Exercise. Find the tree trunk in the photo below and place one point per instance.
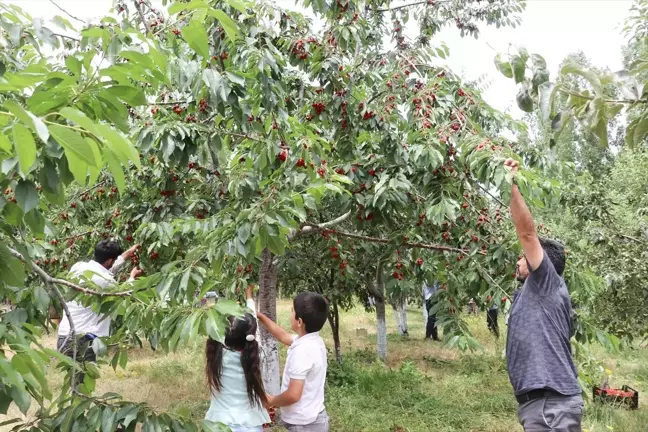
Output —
(403, 316)
(334, 321)
(268, 306)
(400, 316)
(381, 322)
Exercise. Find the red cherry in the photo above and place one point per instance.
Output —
(419, 261)
(283, 155)
(301, 163)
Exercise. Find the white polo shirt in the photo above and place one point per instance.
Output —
(306, 361)
(85, 319)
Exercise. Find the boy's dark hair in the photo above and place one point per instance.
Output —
(235, 340)
(556, 253)
(107, 249)
(312, 308)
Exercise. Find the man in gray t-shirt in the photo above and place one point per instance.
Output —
(538, 351)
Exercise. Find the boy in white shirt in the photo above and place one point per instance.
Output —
(302, 388)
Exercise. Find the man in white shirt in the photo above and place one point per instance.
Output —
(109, 257)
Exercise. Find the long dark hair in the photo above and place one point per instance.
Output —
(235, 340)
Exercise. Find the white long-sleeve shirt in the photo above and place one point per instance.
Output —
(84, 318)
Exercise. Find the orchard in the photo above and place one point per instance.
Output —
(241, 145)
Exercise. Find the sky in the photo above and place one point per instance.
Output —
(551, 28)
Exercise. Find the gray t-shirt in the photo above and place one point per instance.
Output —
(538, 352)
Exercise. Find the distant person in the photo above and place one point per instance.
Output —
(538, 350)
(302, 387)
(491, 320)
(233, 371)
(431, 331)
(108, 259)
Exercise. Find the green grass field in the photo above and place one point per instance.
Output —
(423, 387)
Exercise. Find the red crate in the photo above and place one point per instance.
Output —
(626, 396)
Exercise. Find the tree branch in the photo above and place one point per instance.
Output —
(141, 14)
(55, 281)
(67, 13)
(74, 237)
(71, 334)
(388, 241)
(611, 101)
(66, 37)
(311, 228)
(409, 5)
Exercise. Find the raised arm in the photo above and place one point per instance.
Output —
(123, 258)
(523, 221)
(280, 334)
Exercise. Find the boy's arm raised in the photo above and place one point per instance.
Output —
(280, 334)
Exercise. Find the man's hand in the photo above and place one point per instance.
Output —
(513, 166)
(136, 272)
(130, 252)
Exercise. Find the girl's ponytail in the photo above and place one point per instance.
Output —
(214, 365)
(251, 363)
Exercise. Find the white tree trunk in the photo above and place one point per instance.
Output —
(396, 316)
(403, 316)
(381, 322)
(268, 306)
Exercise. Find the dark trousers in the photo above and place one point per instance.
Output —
(491, 321)
(431, 327)
(84, 352)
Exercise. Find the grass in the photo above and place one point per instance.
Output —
(422, 387)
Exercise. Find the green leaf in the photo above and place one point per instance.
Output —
(519, 67)
(26, 195)
(108, 420)
(546, 97)
(228, 308)
(131, 95)
(35, 220)
(601, 131)
(116, 170)
(79, 118)
(180, 6)
(228, 24)
(48, 177)
(122, 147)
(538, 61)
(540, 76)
(639, 131)
(5, 144)
(25, 147)
(78, 168)
(588, 74)
(21, 399)
(30, 120)
(503, 66)
(523, 98)
(236, 4)
(73, 143)
(196, 36)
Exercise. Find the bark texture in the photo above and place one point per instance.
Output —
(268, 306)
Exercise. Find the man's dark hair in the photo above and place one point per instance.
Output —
(107, 249)
(556, 253)
(312, 308)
